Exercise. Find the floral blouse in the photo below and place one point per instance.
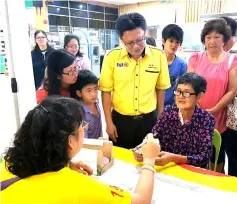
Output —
(192, 139)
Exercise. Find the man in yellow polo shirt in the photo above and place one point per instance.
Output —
(132, 81)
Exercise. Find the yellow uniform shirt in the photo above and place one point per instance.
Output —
(133, 83)
(62, 187)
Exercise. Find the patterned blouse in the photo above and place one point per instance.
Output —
(192, 139)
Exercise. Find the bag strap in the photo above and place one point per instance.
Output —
(8, 182)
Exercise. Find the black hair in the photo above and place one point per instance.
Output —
(85, 77)
(130, 21)
(116, 45)
(56, 62)
(217, 25)
(70, 37)
(37, 48)
(232, 23)
(40, 144)
(151, 41)
(173, 31)
(198, 82)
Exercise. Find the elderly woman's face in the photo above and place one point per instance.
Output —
(214, 41)
(185, 97)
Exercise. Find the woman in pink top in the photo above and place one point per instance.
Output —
(72, 45)
(220, 71)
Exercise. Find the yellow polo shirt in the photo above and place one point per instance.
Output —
(62, 187)
(133, 83)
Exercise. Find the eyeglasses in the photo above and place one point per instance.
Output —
(39, 38)
(73, 46)
(138, 42)
(72, 72)
(84, 125)
(184, 93)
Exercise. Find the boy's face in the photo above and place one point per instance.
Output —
(89, 94)
(171, 45)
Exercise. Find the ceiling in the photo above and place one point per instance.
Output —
(121, 2)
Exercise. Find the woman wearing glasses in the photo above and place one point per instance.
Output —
(185, 131)
(72, 45)
(40, 167)
(61, 73)
(39, 54)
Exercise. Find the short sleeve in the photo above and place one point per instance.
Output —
(117, 196)
(41, 94)
(183, 68)
(163, 81)
(193, 60)
(106, 82)
(234, 61)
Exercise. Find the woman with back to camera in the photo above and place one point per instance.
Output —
(52, 134)
(219, 68)
(61, 73)
(72, 45)
(39, 54)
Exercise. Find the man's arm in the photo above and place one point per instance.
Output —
(107, 106)
(160, 101)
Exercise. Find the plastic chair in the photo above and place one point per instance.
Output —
(216, 141)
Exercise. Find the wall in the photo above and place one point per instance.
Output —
(157, 13)
(41, 18)
(230, 6)
(100, 4)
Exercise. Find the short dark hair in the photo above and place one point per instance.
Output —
(40, 144)
(85, 77)
(68, 38)
(173, 31)
(130, 21)
(218, 25)
(56, 62)
(151, 41)
(232, 23)
(198, 82)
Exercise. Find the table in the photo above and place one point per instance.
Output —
(186, 172)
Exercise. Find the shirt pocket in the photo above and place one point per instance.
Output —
(151, 76)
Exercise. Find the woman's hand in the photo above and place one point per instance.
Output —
(164, 158)
(81, 168)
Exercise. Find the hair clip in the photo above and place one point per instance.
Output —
(44, 109)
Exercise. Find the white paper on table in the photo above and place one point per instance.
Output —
(88, 157)
(167, 189)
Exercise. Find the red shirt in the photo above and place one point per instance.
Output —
(41, 94)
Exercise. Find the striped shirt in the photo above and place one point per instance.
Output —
(94, 129)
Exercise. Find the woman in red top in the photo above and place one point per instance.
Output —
(61, 73)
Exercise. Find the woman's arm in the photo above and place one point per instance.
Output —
(231, 93)
(144, 189)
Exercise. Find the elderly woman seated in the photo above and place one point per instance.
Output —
(38, 161)
(185, 130)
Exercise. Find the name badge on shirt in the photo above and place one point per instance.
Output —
(121, 65)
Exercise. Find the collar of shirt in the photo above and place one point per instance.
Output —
(180, 117)
(87, 110)
(146, 51)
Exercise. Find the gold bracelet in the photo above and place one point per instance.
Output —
(147, 167)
